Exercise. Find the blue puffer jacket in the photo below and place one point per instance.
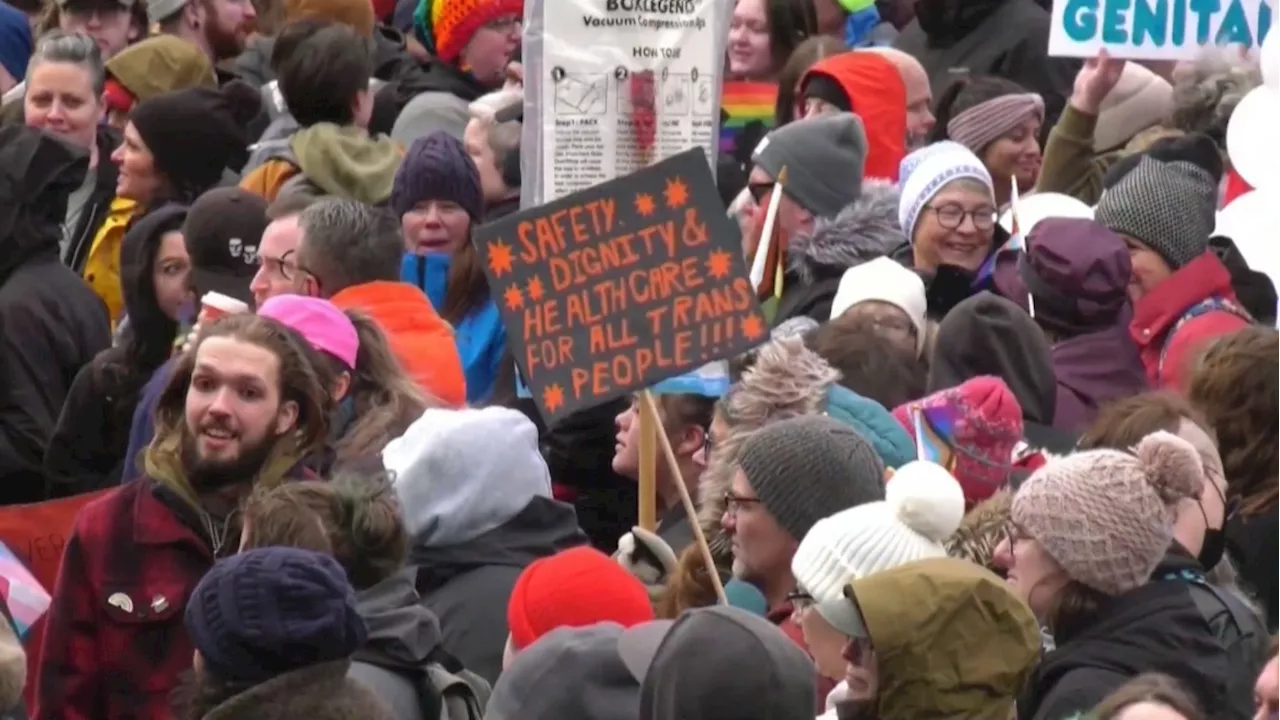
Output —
(481, 337)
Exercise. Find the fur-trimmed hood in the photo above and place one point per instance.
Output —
(981, 531)
(864, 230)
(316, 692)
(787, 380)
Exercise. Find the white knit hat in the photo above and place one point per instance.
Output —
(886, 281)
(925, 172)
(1139, 100)
(923, 506)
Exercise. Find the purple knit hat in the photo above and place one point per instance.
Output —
(437, 167)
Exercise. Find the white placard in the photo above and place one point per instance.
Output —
(1155, 29)
(588, 53)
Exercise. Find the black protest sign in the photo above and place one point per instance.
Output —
(620, 286)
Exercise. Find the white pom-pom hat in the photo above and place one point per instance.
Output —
(923, 506)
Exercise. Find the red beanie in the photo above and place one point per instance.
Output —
(575, 588)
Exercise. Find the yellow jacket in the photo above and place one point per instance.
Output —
(102, 267)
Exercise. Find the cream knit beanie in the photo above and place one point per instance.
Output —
(923, 506)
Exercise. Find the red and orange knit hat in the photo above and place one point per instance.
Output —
(575, 588)
(445, 27)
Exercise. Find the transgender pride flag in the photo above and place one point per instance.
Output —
(26, 598)
(1015, 242)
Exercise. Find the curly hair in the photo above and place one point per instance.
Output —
(1206, 92)
(1235, 384)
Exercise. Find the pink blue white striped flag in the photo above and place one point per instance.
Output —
(25, 597)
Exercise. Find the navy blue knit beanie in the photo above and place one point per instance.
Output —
(437, 167)
(265, 612)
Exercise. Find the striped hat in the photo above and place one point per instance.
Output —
(445, 27)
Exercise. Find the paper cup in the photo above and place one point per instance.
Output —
(215, 305)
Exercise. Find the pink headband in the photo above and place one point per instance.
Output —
(984, 123)
(327, 328)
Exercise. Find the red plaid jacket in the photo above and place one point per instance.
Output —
(115, 644)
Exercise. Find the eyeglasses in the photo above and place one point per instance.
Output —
(760, 190)
(1012, 533)
(951, 216)
(800, 600)
(283, 265)
(734, 503)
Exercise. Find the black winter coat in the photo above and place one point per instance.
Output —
(51, 323)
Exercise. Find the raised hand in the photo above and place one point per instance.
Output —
(1095, 80)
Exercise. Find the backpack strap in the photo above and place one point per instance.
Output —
(464, 695)
(1210, 304)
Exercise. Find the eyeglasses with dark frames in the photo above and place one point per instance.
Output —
(951, 216)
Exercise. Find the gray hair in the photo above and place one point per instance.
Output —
(346, 243)
(75, 49)
(1206, 91)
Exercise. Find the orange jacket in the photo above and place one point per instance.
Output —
(267, 179)
(419, 337)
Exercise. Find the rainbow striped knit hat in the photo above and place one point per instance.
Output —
(444, 27)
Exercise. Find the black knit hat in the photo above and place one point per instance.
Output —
(265, 612)
(806, 468)
(437, 167)
(195, 134)
(1197, 149)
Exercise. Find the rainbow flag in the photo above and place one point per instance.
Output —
(744, 103)
(1015, 242)
(25, 597)
(933, 430)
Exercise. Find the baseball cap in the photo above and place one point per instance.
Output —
(748, 666)
(571, 672)
(159, 10)
(126, 4)
(222, 232)
(327, 328)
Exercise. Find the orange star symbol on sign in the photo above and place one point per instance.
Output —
(535, 290)
(645, 206)
(499, 258)
(513, 298)
(752, 327)
(719, 264)
(677, 193)
(553, 397)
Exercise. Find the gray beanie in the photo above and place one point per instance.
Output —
(806, 468)
(824, 157)
(1171, 207)
(161, 10)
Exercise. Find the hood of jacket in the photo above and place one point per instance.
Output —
(989, 335)
(347, 161)
(1156, 312)
(544, 527)
(402, 631)
(864, 230)
(421, 340)
(962, 648)
(317, 692)
(1092, 370)
(37, 174)
(1156, 627)
(432, 76)
(159, 64)
(107, 139)
(877, 95)
(787, 380)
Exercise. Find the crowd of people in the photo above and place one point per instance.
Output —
(979, 470)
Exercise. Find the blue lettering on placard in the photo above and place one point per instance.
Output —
(1235, 27)
(1150, 23)
(1113, 22)
(1205, 10)
(1081, 19)
(1164, 22)
(1179, 21)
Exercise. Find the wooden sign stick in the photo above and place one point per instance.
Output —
(650, 410)
(648, 511)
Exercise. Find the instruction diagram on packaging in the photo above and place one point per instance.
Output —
(625, 83)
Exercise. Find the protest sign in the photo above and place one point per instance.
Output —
(621, 286)
(1155, 29)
